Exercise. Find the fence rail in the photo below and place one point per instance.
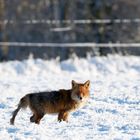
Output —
(82, 21)
(92, 44)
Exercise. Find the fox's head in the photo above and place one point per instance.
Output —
(80, 91)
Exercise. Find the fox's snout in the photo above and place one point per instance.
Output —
(80, 98)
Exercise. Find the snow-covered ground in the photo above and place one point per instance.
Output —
(113, 110)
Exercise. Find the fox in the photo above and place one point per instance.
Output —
(61, 102)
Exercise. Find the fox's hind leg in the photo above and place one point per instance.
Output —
(36, 117)
(38, 114)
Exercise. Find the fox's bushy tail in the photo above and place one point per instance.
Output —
(24, 102)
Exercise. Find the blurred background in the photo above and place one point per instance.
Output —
(51, 28)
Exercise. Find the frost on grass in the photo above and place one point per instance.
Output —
(113, 111)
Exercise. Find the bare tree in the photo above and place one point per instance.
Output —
(3, 37)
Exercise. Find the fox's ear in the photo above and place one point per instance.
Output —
(74, 84)
(87, 84)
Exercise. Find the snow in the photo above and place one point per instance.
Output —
(112, 112)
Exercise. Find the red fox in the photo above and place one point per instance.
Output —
(61, 102)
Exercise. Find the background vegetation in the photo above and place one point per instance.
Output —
(18, 13)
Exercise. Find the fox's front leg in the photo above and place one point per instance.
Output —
(63, 116)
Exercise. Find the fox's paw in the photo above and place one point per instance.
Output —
(62, 119)
(32, 119)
